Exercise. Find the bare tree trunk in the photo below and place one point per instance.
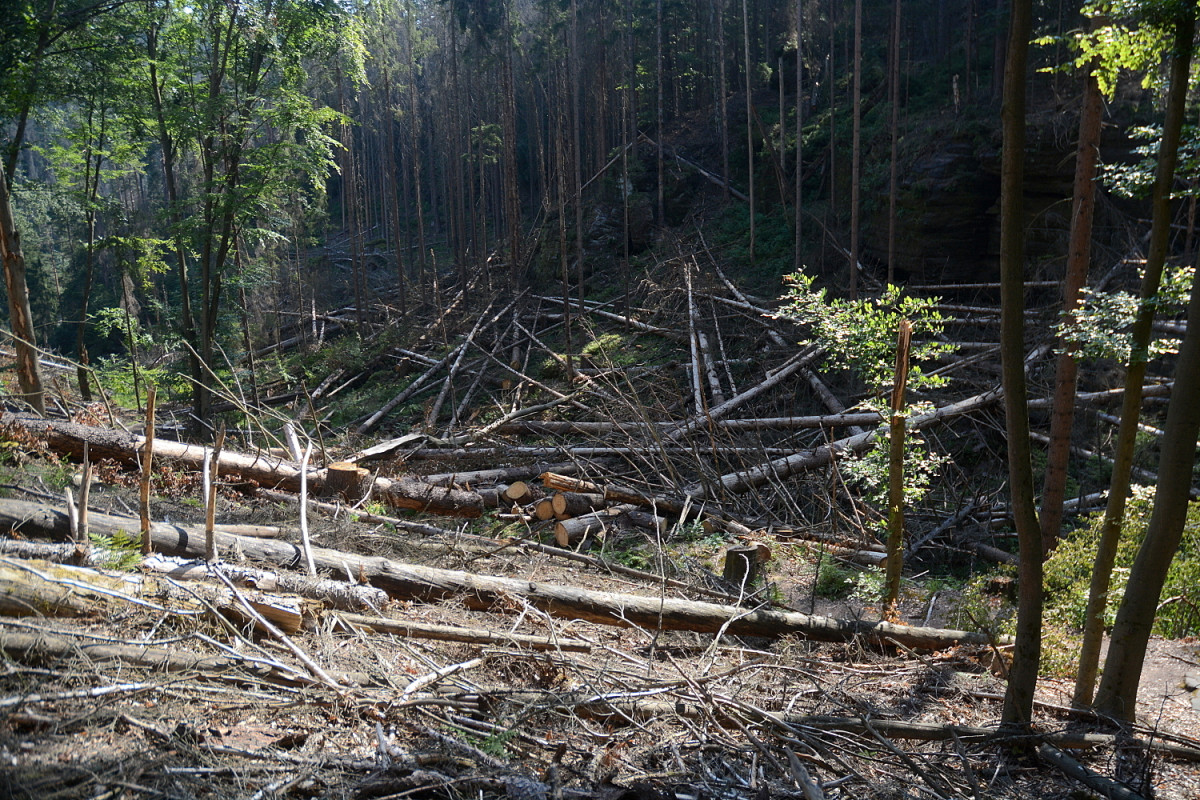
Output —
(895, 520)
(1117, 696)
(1022, 677)
(577, 155)
(722, 94)
(1062, 416)
(393, 199)
(856, 152)
(893, 182)
(29, 376)
(797, 255)
(658, 106)
(749, 121)
(512, 190)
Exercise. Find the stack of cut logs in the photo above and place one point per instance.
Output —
(584, 512)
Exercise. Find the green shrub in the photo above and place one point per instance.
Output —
(1068, 572)
(834, 581)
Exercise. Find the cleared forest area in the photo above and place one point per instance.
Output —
(672, 399)
(532, 575)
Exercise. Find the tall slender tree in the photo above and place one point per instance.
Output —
(749, 119)
(856, 153)
(798, 200)
(1180, 56)
(1022, 676)
(894, 168)
(1117, 696)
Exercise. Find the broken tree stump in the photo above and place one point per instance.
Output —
(741, 565)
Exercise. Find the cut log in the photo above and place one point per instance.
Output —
(522, 493)
(43, 588)
(413, 582)
(543, 510)
(499, 475)
(493, 497)
(622, 495)
(575, 504)
(417, 495)
(647, 521)
(257, 531)
(348, 480)
(268, 471)
(576, 532)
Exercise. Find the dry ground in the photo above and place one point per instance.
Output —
(419, 718)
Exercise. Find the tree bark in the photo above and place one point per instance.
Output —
(29, 376)
(1022, 677)
(269, 471)
(1062, 414)
(856, 152)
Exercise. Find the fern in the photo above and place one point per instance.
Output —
(122, 550)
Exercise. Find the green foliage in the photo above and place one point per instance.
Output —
(1135, 38)
(693, 533)
(1136, 179)
(833, 581)
(612, 349)
(1060, 651)
(773, 245)
(122, 550)
(1104, 321)
(976, 608)
(869, 585)
(59, 476)
(1068, 572)
(870, 469)
(860, 335)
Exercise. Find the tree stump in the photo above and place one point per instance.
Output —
(347, 479)
(741, 565)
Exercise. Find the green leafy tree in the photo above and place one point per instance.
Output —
(228, 83)
(861, 335)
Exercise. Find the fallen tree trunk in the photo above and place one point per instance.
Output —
(333, 594)
(567, 427)
(453, 633)
(264, 470)
(47, 589)
(408, 581)
(622, 495)
(42, 648)
(781, 468)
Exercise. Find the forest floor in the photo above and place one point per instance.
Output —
(415, 718)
